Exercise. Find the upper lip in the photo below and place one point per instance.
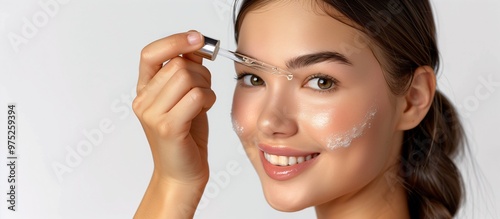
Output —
(281, 150)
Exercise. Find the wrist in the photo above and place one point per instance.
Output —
(167, 198)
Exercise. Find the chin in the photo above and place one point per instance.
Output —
(286, 196)
(286, 204)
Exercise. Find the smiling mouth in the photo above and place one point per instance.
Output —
(278, 160)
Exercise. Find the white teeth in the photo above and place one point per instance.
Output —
(273, 159)
(283, 161)
(287, 161)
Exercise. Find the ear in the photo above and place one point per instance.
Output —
(415, 104)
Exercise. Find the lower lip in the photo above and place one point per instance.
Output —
(283, 173)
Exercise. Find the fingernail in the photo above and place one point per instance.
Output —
(194, 38)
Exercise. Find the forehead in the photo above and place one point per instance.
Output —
(296, 27)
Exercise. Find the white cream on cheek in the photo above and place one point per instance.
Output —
(237, 127)
(344, 139)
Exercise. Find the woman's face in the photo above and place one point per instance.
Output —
(327, 135)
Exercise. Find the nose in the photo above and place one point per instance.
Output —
(277, 118)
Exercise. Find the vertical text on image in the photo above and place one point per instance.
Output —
(12, 161)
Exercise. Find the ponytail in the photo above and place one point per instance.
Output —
(431, 178)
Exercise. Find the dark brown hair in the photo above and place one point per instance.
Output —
(403, 33)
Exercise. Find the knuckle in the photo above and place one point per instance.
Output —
(210, 99)
(183, 76)
(196, 94)
(177, 63)
(213, 96)
(137, 106)
(164, 128)
(148, 118)
(208, 75)
(138, 90)
(147, 53)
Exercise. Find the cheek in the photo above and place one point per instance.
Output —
(238, 129)
(369, 153)
(345, 137)
(321, 120)
(336, 127)
(363, 143)
(237, 115)
(243, 115)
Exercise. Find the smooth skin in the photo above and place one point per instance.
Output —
(358, 181)
(173, 99)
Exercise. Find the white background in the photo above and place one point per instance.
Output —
(77, 68)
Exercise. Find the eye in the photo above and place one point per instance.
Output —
(250, 79)
(322, 82)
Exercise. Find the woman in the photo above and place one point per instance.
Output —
(359, 132)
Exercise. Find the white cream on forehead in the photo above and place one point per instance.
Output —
(344, 139)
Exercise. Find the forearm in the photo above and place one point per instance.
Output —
(169, 200)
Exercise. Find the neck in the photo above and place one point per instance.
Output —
(384, 197)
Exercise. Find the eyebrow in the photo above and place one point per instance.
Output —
(314, 58)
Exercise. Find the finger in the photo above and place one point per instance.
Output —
(196, 101)
(176, 88)
(167, 72)
(193, 57)
(150, 92)
(199, 134)
(155, 54)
